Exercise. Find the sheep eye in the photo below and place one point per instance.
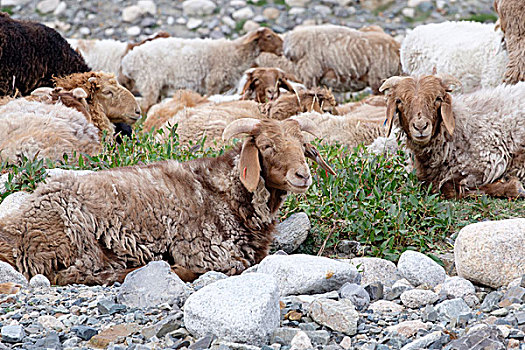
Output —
(398, 101)
(108, 93)
(266, 147)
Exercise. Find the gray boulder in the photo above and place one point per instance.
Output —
(356, 294)
(307, 274)
(12, 203)
(291, 233)
(340, 316)
(242, 309)
(198, 7)
(377, 270)
(489, 337)
(419, 269)
(450, 309)
(415, 298)
(491, 252)
(39, 281)
(152, 285)
(9, 274)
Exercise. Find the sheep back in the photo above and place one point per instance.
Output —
(469, 51)
(31, 54)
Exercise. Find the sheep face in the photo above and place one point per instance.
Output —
(276, 151)
(118, 103)
(266, 40)
(422, 104)
(265, 83)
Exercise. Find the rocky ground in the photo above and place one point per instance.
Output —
(288, 301)
(130, 20)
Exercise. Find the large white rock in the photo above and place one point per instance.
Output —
(152, 285)
(198, 7)
(491, 252)
(9, 274)
(241, 309)
(376, 270)
(419, 269)
(340, 316)
(47, 6)
(385, 306)
(457, 287)
(131, 13)
(307, 274)
(244, 13)
(12, 203)
(297, 3)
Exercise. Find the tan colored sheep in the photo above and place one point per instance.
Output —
(511, 17)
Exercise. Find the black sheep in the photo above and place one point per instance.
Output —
(31, 54)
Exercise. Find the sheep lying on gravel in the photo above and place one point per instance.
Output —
(203, 65)
(207, 214)
(472, 143)
(106, 55)
(31, 54)
(511, 15)
(31, 129)
(108, 101)
(341, 58)
(289, 104)
(471, 52)
(265, 84)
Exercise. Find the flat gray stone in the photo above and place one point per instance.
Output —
(376, 270)
(485, 338)
(450, 309)
(12, 334)
(208, 278)
(9, 274)
(152, 285)
(291, 233)
(340, 316)
(307, 274)
(415, 298)
(241, 309)
(491, 252)
(457, 287)
(423, 342)
(419, 269)
(198, 7)
(356, 294)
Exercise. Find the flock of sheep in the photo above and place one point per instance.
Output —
(274, 91)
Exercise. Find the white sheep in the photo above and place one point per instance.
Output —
(203, 65)
(338, 57)
(469, 51)
(33, 129)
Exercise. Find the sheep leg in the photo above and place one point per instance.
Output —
(511, 188)
(184, 274)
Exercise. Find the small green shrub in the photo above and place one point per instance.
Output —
(482, 18)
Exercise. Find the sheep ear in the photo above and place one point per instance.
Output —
(286, 84)
(79, 93)
(249, 166)
(253, 36)
(449, 82)
(311, 152)
(390, 83)
(390, 113)
(447, 114)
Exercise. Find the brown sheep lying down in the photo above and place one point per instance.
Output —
(206, 214)
(469, 144)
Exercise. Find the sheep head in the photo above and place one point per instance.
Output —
(265, 83)
(266, 40)
(422, 104)
(116, 102)
(275, 150)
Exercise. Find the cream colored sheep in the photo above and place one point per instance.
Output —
(204, 65)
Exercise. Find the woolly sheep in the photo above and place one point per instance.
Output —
(265, 84)
(106, 55)
(108, 101)
(208, 120)
(207, 214)
(31, 54)
(290, 104)
(469, 51)
(511, 14)
(472, 143)
(204, 65)
(31, 129)
(341, 58)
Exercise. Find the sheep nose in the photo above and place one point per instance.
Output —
(302, 174)
(420, 125)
